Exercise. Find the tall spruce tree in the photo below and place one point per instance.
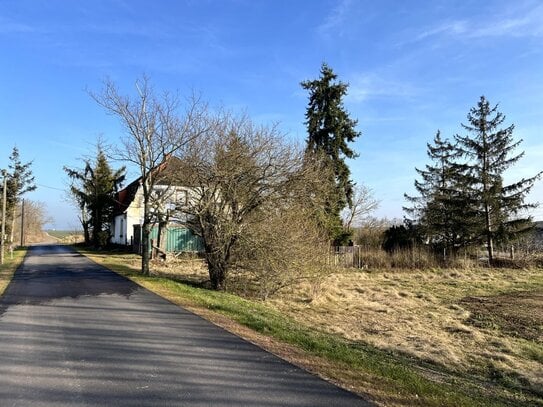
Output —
(330, 129)
(94, 189)
(20, 181)
(442, 210)
(490, 151)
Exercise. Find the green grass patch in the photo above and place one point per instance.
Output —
(534, 351)
(10, 265)
(397, 378)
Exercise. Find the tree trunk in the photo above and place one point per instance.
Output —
(217, 271)
(489, 242)
(161, 236)
(217, 276)
(96, 229)
(490, 248)
(145, 253)
(85, 225)
(86, 234)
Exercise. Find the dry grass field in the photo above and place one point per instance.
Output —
(63, 236)
(483, 321)
(478, 330)
(486, 322)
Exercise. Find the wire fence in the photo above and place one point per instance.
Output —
(421, 256)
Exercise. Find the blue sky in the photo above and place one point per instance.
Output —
(413, 67)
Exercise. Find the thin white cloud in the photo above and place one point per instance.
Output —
(370, 86)
(527, 22)
(14, 27)
(335, 20)
(446, 28)
(123, 29)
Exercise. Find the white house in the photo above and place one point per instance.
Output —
(128, 213)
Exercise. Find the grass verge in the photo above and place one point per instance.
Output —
(10, 265)
(388, 378)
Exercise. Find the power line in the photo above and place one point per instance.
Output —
(45, 186)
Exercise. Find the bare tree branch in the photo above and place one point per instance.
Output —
(363, 204)
(155, 129)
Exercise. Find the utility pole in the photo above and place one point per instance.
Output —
(23, 222)
(3, 218)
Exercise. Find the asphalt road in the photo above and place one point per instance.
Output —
(73, 333)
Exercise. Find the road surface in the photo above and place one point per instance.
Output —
(73, 333)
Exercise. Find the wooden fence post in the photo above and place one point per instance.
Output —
(359, 253)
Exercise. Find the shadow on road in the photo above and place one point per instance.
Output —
(76, 334)
(52, 272)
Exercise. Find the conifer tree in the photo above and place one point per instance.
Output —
(490, 151)
(94, 189)
(442, 210)
(330, 129)
(20, 181)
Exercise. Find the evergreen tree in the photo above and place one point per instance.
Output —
(401, 237)
(443, 209)
(94, 190)
(489, 149)
(330, 129)
(20, 181)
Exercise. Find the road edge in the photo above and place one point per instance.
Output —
(285, 351)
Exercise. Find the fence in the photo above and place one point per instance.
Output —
(346, 256)
(421, 257)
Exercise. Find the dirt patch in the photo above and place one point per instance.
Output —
(518, 314)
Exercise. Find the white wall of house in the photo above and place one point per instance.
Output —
(134, 215)
(123, 225)
(119, 229)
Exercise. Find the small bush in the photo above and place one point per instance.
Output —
(284, 248)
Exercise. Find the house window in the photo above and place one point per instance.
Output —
(122, 228)
(181, 198)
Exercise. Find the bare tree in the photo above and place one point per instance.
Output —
(283, 246)
(35, 218)
(371, 232)
(238, 174)
(162, 202)
(77, 202)
(154, 131)
(362, 205)
(20, 181)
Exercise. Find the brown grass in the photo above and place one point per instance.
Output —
(474, 320)
(428, 314)
(189, 269)
(10, 265)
